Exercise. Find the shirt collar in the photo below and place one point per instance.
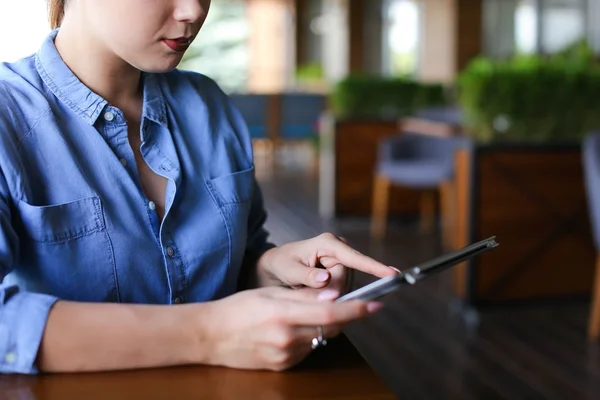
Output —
(154, 101)
(79, 98)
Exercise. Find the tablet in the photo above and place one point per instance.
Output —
(410, 276)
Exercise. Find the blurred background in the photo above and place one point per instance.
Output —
(415, 127)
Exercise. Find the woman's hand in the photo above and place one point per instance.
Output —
(272, 328)
(295, 264)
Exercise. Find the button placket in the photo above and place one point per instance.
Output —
(109, 116)
(173, 265)
(170, 251)
(10, 358)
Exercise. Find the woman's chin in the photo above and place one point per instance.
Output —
(160, 66)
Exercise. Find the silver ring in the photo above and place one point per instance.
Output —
(319, 341)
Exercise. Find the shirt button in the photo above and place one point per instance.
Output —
(10, 358)
(170, 251)
(109, 116)
(152, 206)
(177, 301)
(123, 162)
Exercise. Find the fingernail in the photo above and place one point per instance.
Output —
(396, 269)
(375, 306)
(322, 277)
(328, 294)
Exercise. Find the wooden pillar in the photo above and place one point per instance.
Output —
(469, 31)
(437, 41)
(356, 19)
(301, 31)
(452, 35)
(271, 45)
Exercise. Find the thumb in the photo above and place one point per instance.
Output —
(299, 274)
(305, 294)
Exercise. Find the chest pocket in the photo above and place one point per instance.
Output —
(233, 194)
(236, 188)
(65, 250)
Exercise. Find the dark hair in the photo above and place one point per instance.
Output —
(56, 12)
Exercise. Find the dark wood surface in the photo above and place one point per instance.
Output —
(534, 201)
(426, 346)
(336, 371)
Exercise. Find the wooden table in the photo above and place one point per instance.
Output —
(336, 371)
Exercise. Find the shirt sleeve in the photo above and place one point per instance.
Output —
(23, 315)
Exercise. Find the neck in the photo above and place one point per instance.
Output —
(95, 66)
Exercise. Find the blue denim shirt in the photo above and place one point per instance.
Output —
(74, 222)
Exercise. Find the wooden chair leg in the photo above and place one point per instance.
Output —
(447, 214)
(427, 210)
(381, 191)
(594, 320)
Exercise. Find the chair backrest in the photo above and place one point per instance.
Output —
(417, 145)
(448, 115)
(434, 150)
(300, 115)
(591, 168)
(254, 109)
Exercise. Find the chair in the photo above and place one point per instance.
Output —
(418, 161)
(447, 115)
(253, 108)
(300, 113)
(591, 168)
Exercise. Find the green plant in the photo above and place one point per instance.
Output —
(366, 96)
(310, 72)
(531, 98)
(578, 52)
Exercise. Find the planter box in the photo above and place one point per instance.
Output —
(348, 155)
(532, 197)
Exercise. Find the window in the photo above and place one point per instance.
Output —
(401, 37)
(23, 27)
(221, 49)
(562, 22)
(533, 26)
(526, 27)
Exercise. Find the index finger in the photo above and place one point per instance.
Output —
(338, 252)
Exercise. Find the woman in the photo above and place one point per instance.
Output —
(130, 218)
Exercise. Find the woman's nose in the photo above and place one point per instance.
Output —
(191, 11)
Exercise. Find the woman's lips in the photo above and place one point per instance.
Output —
(179, 44)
